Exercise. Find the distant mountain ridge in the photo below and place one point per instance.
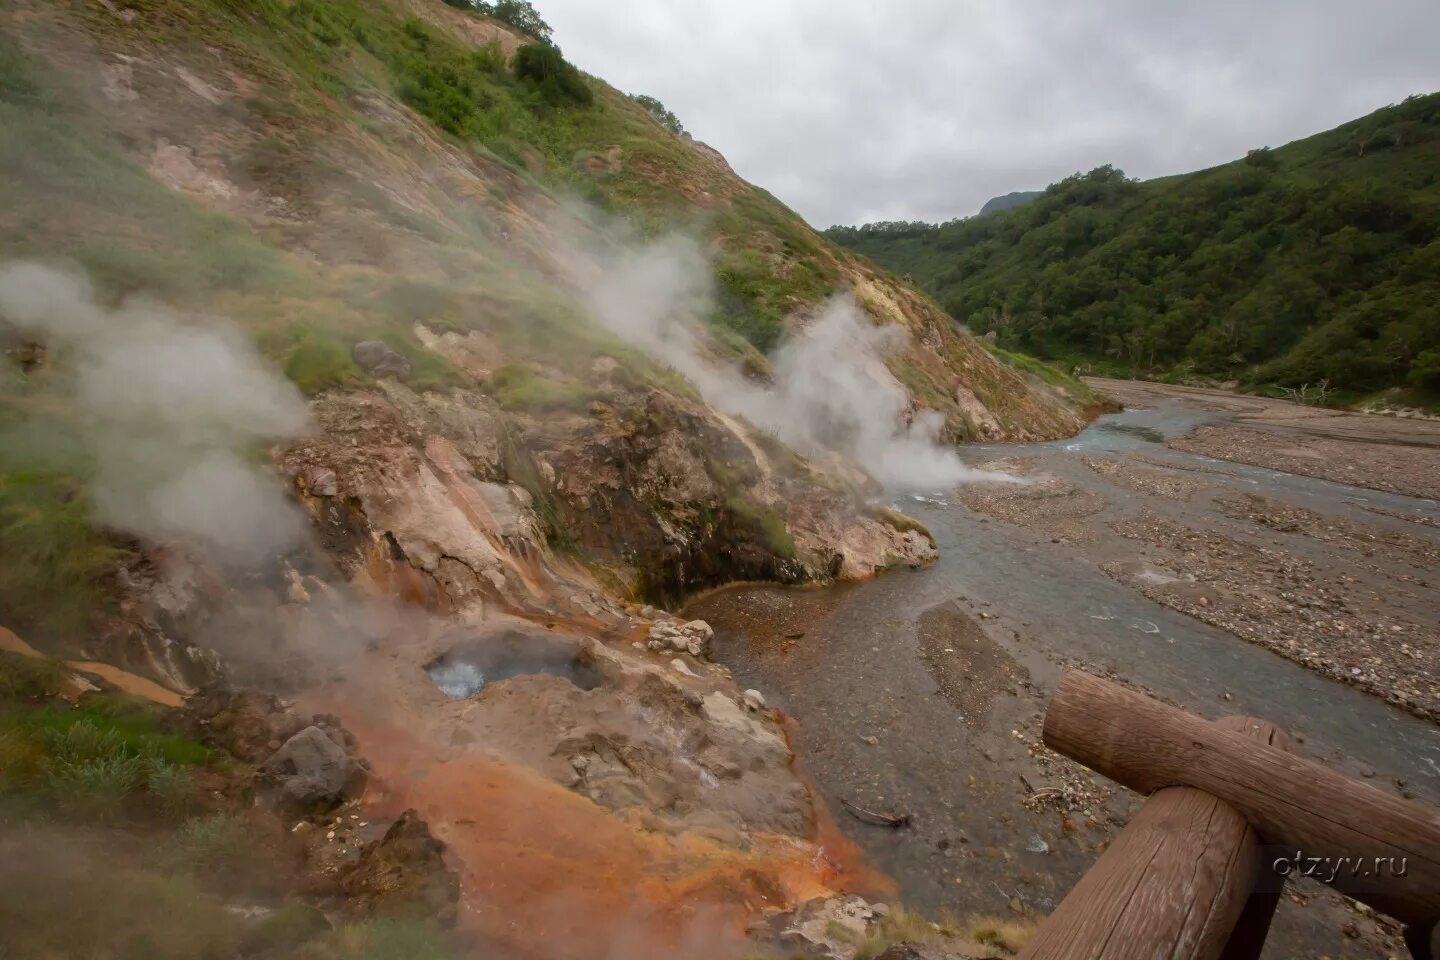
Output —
(1015, 198)
(1317, 262)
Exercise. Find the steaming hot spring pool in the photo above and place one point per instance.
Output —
(463, 671)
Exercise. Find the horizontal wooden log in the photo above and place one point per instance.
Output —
(1296, 804)
(1173, 884)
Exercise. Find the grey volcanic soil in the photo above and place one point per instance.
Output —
(1222, 587)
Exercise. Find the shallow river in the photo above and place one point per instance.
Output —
(919, 693)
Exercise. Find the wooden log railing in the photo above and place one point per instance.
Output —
(1182, 880)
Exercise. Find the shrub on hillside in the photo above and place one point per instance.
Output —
(544, 68)
(519, 14)
(658, 110)
(53, 564)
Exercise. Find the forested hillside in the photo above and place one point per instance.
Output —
(1314, 263)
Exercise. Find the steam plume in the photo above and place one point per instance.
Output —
(168, 407)
(831, 392)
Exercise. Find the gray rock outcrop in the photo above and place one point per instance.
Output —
(311, 772)
(379, 359)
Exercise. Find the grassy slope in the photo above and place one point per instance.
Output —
(1319, 259)
(329, 172)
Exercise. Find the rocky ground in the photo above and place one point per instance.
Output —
(1395, 454)
(1330, 622)
(1046, 503)
(1161, 483)
(1412, 471)
(1366, 539)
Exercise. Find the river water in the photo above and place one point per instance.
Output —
(920, 693)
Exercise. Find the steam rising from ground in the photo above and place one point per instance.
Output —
(168, 407)
(831, 392)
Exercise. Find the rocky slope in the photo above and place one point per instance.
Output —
(420, 239)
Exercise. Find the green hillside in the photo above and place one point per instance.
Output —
(436, 176)
(1316, 262)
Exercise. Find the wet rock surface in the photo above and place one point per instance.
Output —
(970, 669)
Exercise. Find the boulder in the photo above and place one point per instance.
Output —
(828, 928)
(403, 875)
(379, 359)
(311, 772)
(698, 628)
(754, 700)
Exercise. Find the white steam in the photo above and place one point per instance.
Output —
(831, 392)
(170, 409)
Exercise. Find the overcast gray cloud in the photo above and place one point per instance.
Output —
(854, 111)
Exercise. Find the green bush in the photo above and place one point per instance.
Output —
(319, 361)
(216, 844)
(55, 567)
(520, 14)
(24, 677)
(1425, 373)
(125, 723)
(658, 110)
(58, 899)
(96, 788)
(103, 761)
(544, 68)
(171, 788)
(286, 927)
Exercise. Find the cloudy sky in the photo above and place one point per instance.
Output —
(860, 110)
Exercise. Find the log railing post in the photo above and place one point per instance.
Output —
(1247, 939)
(1174, 883)
(1179, 878)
